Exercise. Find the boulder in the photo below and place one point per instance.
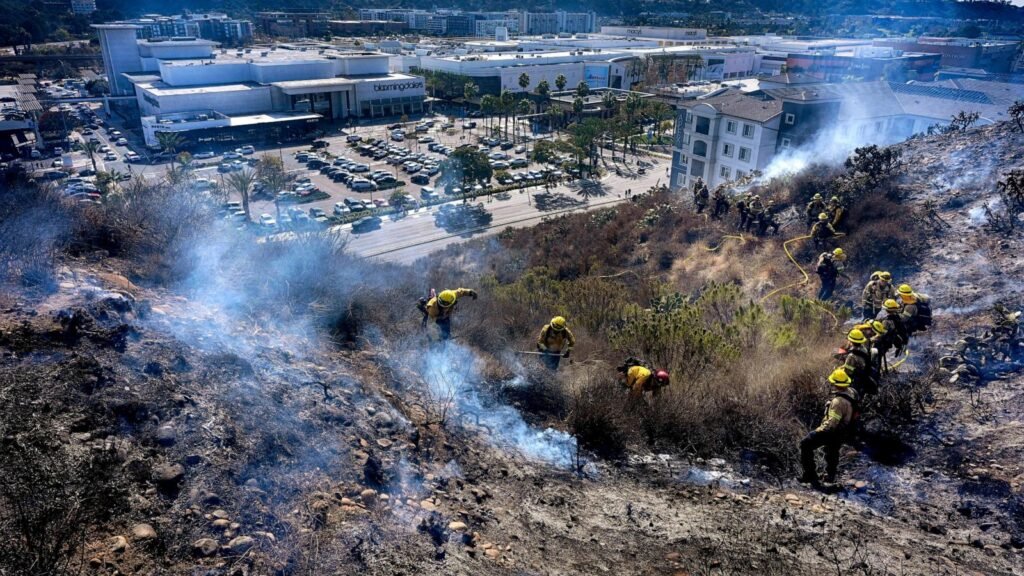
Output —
(166, 435)
(205, 547)
(143, 532)
(240, 544)
(168, 474)
(118, 544)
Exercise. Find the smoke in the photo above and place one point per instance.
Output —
(452, 371)
(852, 127)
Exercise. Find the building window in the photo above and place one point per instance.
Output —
(785, 142)
(730, 126)
(683, 159)
(748, 131)
(790, 119)
(697, 168)
(878, 127)
(740, 174)
(700, 148)
(727, 149)
(703, 125)
(686, 140)
(724, 172)
(745, 154)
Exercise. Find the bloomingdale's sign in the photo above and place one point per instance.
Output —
(402, 86)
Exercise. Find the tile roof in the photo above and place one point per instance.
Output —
(750, 106)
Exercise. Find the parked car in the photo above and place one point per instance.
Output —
(318, 144)
(353, 138)
(468, 125)
(420, 178)
(122, 142)
(362, 185)
(519, 163)
(267, 221)
(340, 209)
(246, 150)
(204, 155)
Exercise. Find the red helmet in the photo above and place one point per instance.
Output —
(661, 376)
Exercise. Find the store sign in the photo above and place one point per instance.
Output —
(400, 87)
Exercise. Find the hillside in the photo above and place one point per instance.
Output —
(177, 406)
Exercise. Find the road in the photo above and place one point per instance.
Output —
(406, 239)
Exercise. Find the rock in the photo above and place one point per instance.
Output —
(168, 474)
(860, 484)
(221, 524)
(266, 536)
(384, 443)
(205, 547)
(368, 496)
(219, 513)
(118, 544)
(492, 553)
(143, 532)
(673, 556)
(166, 435)
(428, 505)
(457, 526)
(241, 544)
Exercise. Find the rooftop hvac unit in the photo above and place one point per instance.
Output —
(248, 50)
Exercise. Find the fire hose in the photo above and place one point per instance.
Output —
(805, 280)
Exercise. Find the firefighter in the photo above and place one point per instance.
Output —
(814, 207)
(440, 309)
(639, 379)
(822, 231)
(881, 341)
(755, 211)
(556, 342)
(835, 210)
(893, 322)
(917, 311)
(700, 198)
(768, 219)
(840, 413)
(859, 364)
(742, 207)
(830, 267)
(878, 289)
(721, 203)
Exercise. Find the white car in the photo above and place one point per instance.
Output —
(131, 157)
(267, 221)
(204, 155)
(398, 135)
(110, 157)
(232, 155)
(104, 148)
(122, 142)
(246, 150)
(354, 138)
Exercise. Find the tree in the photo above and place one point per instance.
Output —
(271, 174)
(543, 91)
(185, 159)
(472, 164)
(241, 182)
(1016, 112)
(963, 121)
(169, 141)
(488, 105)
(523, 108)
(507, 101)
(91, 149)
(577, 108)
(608, 103)
(560, 82)
(582, 89)
(524, 81)
(98, 87)
(469, 91)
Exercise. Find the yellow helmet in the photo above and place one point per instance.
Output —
(822, 217)
(839, 378)
(834, 199)
(838, 253)
(905, 289)
(891, 305)
(817, 197)
(878, 327)
(558, 323)
(885, 276)
(856, 336)
(446, 298)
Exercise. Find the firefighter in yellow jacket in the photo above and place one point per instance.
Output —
(555, 342)
(639, 379)
(440, 309)
(833, 430)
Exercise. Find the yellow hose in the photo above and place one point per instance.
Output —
(906, 354)
(805, 280)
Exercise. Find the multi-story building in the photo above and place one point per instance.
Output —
(366, 27)
(293, 24)
(994, 56)
(187, 86)
(488, 28)
(537, 23)
(576, 22)
(724, 137)
(209, 26)
(83, 6)
(727, 134)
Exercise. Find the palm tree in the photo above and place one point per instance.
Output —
(91, 148)
(582, 89)
(608, 102)
(469, 91)
(507, 102)
(488, 105)
(523, 107)
(560, 82)
(553, 115)
(577, 108)
(169, 141)
(242, 182)
(524, 81)
(543, 90)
